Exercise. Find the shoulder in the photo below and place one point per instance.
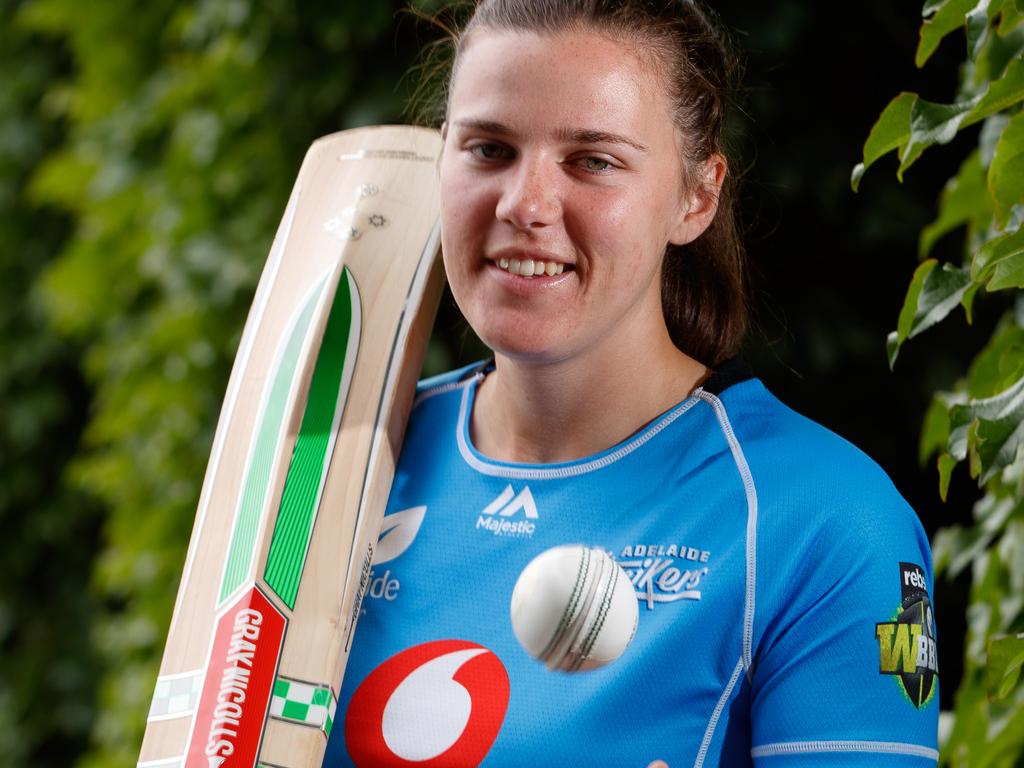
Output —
(839, 579)
(803, 469)
(821, 509)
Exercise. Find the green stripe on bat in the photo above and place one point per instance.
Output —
(304, 483)
(261, 462)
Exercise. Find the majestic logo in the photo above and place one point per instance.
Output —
(497, 517)
(397, 533)
(437, 704)
(664, 573)
(906, 646)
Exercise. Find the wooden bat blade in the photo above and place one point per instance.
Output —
(303, 460)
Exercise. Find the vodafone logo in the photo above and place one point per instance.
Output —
(432, 705)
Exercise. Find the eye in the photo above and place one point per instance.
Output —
(490, 151)
(595, 164)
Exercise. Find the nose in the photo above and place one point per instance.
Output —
(531, 198)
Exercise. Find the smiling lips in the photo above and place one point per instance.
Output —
(530, 267)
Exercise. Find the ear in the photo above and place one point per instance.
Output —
(700, 205)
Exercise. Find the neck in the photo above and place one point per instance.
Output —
(541, 413)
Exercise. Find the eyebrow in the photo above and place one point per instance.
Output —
(568, 135)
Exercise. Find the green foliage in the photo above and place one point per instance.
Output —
(963, 202)
(911, 125)
(940, 18)
(933, 294)
(981, 422)
(1005, 655)
(1006, 171)
(182, 127)
(47, 677)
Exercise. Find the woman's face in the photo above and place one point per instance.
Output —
(560, 153)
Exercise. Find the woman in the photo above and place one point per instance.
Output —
(589, 240)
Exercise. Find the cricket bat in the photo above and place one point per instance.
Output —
(303, 460)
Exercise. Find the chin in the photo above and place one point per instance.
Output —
(525, 334)
(519, 344)
(532, 351)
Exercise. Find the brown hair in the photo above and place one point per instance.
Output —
(704, 283)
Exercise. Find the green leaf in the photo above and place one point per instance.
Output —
(963, 200)
(974, 465)
(998, 262)
(988, 430)
(1000, 363)
(1011, 549)
(967, 302)
(1002, 93)
(62, 179)
(1006, 173)
(1012, 14)
(933, 294)
(977, 27)
(935, 431)
(932, 123)
(889, 132)
(912, 124)
(941, 19)
(1009, 272)
(991, 130)
(946, 464)
(999, 52)
(1005, 658)
(912, 301)
(996, 444)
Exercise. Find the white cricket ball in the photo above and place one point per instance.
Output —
(574, 608)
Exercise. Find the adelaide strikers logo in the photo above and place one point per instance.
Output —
(906, 645)
(437, 704)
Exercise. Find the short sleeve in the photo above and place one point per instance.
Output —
(844, 665)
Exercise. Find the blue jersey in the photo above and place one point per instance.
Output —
(782, 581)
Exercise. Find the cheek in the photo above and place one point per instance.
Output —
(464, 214)
(461, 238)
(619, 229)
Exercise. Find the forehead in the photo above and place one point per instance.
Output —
(571, 79)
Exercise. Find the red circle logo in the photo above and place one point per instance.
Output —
(435, 705)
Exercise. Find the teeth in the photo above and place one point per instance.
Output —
(531, 267)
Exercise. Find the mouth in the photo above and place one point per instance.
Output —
(530, 267)
(525, 265)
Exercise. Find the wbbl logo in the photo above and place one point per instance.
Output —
(906, 646)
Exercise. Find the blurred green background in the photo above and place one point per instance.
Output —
(146, 153)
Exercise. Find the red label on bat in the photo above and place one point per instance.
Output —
(238, 685)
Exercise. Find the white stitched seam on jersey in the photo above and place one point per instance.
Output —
(709, 732)
(751, 491)
(805, 747)
(439, 389)
(539, 473)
